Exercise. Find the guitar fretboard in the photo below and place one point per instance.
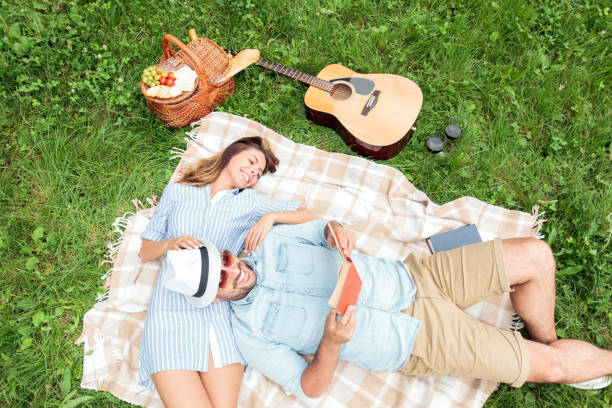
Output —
(295, 74)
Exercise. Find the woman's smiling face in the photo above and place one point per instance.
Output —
(246, 167)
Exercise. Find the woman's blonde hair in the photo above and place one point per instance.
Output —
(207, 170)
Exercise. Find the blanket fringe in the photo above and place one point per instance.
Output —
(192, 136)
(139, 205)
(120, 225)
(112, 248)
(96, 342)
(108, 272)
(517, 323)
(538, 221)
(198, 122)
(101, 297)
(176, 153)
(152, 201)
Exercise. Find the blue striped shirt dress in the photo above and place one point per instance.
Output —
(177, 335)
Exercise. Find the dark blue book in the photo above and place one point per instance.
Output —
(448, 240)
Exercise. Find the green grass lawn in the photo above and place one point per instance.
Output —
(531, 79)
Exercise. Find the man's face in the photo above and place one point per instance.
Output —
(237, 278)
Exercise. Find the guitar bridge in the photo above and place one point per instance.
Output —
(372, 100)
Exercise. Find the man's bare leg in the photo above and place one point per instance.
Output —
(530, 267)
(567, 361)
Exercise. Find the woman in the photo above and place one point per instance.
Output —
(189, 353)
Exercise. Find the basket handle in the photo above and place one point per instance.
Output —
(167, 42)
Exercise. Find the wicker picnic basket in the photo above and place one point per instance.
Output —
(210, 62)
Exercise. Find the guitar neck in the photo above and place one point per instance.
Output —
(297, 75)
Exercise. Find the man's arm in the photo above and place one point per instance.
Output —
(320, 370)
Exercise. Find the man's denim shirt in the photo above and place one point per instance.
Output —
(285, 312)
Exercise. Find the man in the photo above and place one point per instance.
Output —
(408, 316)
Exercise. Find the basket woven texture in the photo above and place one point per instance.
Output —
(210, 62)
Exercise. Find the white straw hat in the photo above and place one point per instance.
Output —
(194, 273)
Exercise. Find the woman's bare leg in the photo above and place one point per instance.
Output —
(181, 388)
(223, 384)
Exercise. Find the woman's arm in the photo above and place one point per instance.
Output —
(258, 231)
(299, 216)
(151, 250)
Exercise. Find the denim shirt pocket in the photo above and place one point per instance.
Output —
(386, 291)
(284, 323)
(296, 258)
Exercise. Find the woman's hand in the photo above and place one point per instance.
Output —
(151, 250)
(184, 242)
(258, 232)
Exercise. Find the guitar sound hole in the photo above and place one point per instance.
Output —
(341, 92)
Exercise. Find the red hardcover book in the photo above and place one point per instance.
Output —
(348, 285)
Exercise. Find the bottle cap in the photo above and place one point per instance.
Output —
(435, 142)
(452, 131)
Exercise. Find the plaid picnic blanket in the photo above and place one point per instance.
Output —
(391, 218)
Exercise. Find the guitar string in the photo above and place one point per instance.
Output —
(293, 73)
(297, 75)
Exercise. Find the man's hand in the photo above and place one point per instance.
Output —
(318, 374)
(339, 332)
(346, 237)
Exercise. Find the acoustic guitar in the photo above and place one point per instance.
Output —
(374, 114)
